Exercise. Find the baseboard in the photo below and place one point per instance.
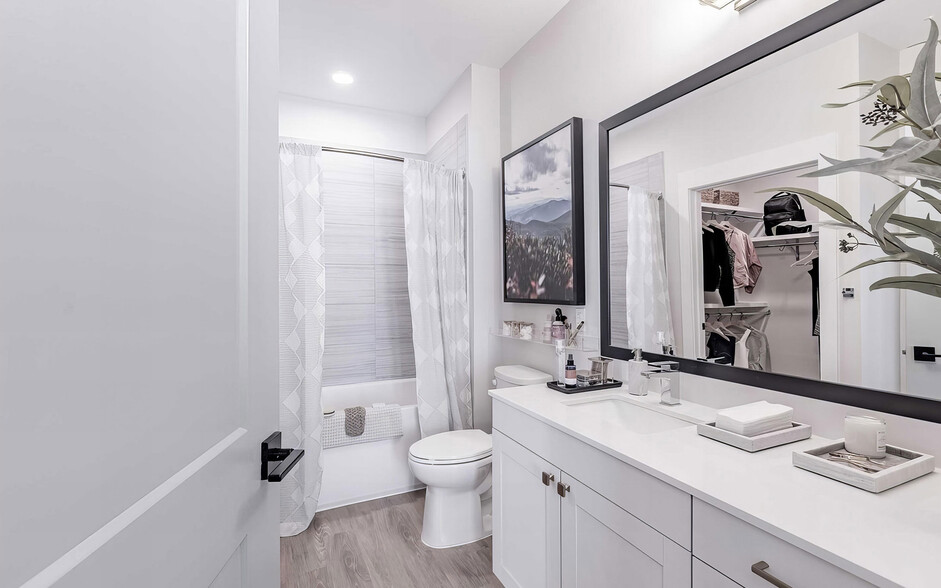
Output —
(368, 497)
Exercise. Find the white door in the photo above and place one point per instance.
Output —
(921, 323)
(138, 292)
(605, 546)
(526, 517)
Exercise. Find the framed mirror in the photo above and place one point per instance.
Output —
(773, 219)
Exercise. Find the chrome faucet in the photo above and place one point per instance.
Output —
(668, 372)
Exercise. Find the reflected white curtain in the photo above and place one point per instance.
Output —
(302, 311)
(435, 236)
(648, 296)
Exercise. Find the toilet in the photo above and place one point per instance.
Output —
(455, 468)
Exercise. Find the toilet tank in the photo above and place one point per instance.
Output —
(507, 376)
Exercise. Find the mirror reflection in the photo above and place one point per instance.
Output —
(784, 218)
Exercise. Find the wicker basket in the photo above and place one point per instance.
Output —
(728, 198)
(709, 196)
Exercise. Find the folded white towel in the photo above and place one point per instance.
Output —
(756, 418)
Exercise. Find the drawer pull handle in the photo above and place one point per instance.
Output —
(547, 478)
(561, 489)
(760, 569)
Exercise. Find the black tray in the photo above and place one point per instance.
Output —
(564, 390)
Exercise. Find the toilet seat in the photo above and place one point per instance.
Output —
(452, 447)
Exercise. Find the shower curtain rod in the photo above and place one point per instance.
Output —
(373, 154)
(366, 153)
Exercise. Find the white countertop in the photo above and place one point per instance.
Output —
(889, 539)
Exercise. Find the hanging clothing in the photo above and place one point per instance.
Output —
(648, 294)
(436, 256)
(746, 266)
(721, 349)
(815, 293)
(302, 308)
(717, 266)
(759, 350)
(741, 350)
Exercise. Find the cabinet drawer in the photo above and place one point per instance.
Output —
(732, 546)
(706, 577)
(656, 503)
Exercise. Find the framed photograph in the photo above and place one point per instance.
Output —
(543, 234)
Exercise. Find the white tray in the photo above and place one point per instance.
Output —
(797, 432)
(904, 466)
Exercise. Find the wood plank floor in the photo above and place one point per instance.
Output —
(378, 544)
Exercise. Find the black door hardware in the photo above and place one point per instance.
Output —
(271, 451)
(925, 354)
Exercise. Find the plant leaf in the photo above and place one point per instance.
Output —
(929, 284)
(925, 227)
(881, 216)
(898, 85)
(895, 258)
(902, 152)
(892, 127)
(922, 171)
(831, 207)
(925, 106)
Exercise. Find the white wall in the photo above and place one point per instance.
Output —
(329, 123)
(594, 59)
(455, 105)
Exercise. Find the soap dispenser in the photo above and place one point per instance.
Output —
(636, 383)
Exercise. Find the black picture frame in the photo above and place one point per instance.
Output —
(578, 216)
(887, 402)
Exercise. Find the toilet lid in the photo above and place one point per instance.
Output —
(452, 447)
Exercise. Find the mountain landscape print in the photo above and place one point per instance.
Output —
(539, 234)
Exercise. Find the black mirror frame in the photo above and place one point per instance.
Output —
(878, 400)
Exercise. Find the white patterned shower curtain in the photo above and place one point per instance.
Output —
(435, 235)
(301, 330)
(648, 297)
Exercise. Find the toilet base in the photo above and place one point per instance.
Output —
(454, 517)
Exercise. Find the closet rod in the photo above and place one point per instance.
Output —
(365, 153)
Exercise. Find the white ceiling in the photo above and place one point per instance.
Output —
(404, 54)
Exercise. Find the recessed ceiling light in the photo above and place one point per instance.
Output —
(342, 77)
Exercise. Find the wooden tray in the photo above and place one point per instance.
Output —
(611, 383)
(904, 466)
(797, 432)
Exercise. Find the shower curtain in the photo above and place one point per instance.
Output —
(301, 330)
(437, 288)
(648, 297)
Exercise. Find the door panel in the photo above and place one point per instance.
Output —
(138, 306)
(603, 545)
(526, 517)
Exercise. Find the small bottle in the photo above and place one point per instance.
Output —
(571, 378)
(636, 384)
(547, 329)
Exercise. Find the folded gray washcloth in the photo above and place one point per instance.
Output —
(355, 420)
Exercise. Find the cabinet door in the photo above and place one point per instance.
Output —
(526, 517)
(706, 577)
(603, 545)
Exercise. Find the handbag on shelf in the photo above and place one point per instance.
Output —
(781, 208)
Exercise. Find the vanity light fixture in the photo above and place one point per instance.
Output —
(343, 78)
(741, 5)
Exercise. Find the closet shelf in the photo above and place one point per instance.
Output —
(725, 210)
(743, 308)
(583, 342)
(786, 240)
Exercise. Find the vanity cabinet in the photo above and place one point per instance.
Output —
(733, 547)
(527, 536)
(552, 530)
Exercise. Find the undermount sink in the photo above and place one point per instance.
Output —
(620, 411)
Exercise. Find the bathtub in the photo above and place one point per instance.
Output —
(356, 473)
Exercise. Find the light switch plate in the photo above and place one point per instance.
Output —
(579, 316)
